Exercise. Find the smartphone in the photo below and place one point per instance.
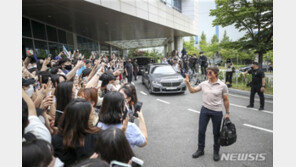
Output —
(138, 108)
(118, 164)
(124, 114)
(136, 162)
(57, 117)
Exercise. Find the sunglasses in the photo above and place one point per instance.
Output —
(209, 73)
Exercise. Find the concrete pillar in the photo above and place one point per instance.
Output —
(165, 48)
(124, 53)
(75, 41)
(178, 42)
(99, 49)
(170, 48)
(110, 50)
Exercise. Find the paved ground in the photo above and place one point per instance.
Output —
(172, 124)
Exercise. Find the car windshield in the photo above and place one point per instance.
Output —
(163, 70)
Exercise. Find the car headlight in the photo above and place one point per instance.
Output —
(182, 81)
(155, 82)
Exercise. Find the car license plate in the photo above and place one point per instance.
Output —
(171, 88)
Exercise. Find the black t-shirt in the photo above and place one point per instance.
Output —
(203, 59)
(128, 67)
(257, 76)
(135, 66)
(70, 156)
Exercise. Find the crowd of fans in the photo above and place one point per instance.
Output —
(78, 111)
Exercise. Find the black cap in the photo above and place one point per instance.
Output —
(27, 82)
(255, 63)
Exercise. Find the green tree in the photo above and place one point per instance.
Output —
(255, 17)
(189, 46)
(203, 44)
(225, 38)
(215, 39)
(269, 56)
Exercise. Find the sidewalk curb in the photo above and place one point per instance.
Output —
(247, 93)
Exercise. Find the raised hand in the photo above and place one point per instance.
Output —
(186, 79)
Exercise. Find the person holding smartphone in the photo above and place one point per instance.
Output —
(214, 93)
(114, 109)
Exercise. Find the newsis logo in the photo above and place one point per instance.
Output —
(243, 156)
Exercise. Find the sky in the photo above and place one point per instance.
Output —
(205, 22)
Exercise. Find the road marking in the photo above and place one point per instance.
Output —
(256, 127)
(267, 101)
(133, 83)
(269, 112)
(163, 101)
(193, 110)
(143, 93)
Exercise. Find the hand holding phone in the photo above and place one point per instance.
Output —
(138, 108)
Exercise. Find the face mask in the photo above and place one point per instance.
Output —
(30, 91)
(68, 67)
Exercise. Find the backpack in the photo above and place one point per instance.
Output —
(228, 133)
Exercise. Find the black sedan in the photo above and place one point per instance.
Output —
(143, 61)
(162, 78)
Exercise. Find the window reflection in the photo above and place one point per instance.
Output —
(26, 27)
(41, 49)
(52, 34)
(62, 36)
(38, 30)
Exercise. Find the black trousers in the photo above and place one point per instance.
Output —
(229, 77)
(204, 117)
(255, 90)
(129, 78)
(135, 75)
(203, 69)
(193, 69)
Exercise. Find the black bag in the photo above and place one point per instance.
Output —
(228, 133)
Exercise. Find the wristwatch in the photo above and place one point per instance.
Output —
(263, 86)
(227, 112)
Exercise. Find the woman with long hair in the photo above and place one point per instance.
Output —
(64, 93)
(76, 135)
(91, 95)
(130, 94)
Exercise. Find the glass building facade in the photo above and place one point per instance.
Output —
(45, 39)
(175, 4)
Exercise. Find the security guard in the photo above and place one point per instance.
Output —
(229, 71)
(257, 84)
(203, 63)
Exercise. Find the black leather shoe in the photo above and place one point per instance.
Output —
(197, 154)
(261, 108)
(250, 106)
(216, 156)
